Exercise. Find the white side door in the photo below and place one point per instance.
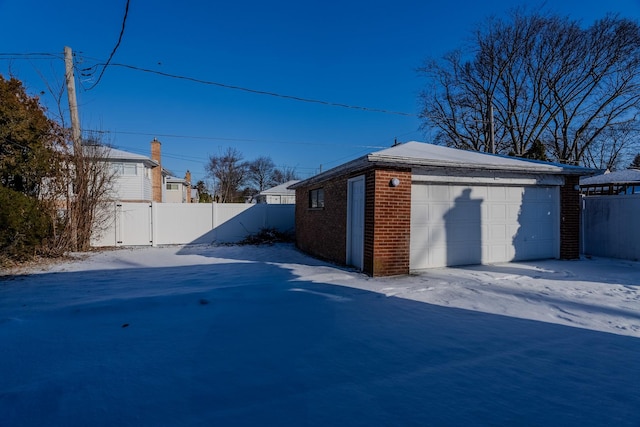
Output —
(355, 222)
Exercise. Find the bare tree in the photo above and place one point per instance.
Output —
(535, 78)
(260, 173)
(613, 150)
(282, 175)
(229, 173)
(93, 179)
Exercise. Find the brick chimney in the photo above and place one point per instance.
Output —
(156, 172)
(187, 177)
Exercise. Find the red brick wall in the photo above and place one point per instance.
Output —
(323, 232)
(570, 218)
(392, 223)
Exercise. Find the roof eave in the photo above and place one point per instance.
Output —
(349, 167)
(536, 168)
(372, 160)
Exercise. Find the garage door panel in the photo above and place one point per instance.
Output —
(498, 232)
(422, 213)
(466, 224)
(497, 212)
(438, 192)
(437, 212)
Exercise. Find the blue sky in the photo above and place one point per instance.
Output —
(351, 52)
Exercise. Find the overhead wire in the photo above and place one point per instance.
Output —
(216, 138)
(89, 71)
(113, 52)
(362, 149)
(256, 91)
(31, 55)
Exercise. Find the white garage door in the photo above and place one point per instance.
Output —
(480, 224)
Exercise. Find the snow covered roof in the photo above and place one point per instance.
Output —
(617, 177)
(176, 179)
(420, 154)
(121, 155)
(280, 189)
(114, 153)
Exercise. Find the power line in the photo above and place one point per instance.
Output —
(90, 70)
(124, 22)
(30, 56)
(215, 138)
(256, 91)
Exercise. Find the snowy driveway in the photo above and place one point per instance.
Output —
(246, 336)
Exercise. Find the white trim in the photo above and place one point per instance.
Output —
(356, 263)
(460, 178)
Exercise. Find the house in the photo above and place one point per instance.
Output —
(139, 178)
(417, 206)
(279, 195)
(612, 183)
(178, 190)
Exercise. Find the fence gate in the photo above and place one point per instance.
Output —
(133, 224)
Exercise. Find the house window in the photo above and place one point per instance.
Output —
(125, 168)
(316, 198)
(172, 186)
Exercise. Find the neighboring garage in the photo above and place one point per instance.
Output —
(417, 206)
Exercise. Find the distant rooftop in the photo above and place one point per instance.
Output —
(618, 177)
(280, 189)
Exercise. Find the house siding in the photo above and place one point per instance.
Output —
(133, 187)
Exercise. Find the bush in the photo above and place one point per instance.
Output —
(268, 236)
(24, 225)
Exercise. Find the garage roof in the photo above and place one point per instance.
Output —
(617, 177)
(420, 154)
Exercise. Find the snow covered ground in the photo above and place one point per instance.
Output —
(247, 336)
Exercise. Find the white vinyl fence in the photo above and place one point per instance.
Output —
(610, 226)
(150, 224)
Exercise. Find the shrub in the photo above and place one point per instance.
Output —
(24, 225)
(268, 236)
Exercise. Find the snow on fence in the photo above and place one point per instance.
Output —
(150, 224)
(610, 226)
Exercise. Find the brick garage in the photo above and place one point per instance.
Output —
(417, 206)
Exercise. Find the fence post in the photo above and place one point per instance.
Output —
(154, 223)
(213, 218)
(118, 224)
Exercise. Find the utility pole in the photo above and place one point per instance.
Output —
(74, 209)
(73, 103)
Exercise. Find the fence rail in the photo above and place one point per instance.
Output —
(150, 224)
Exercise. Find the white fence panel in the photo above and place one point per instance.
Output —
(234, 221)
(281, 217)
(176, 223)
(105, 232)
(133, 224)
(610, 226)
(182, 223)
